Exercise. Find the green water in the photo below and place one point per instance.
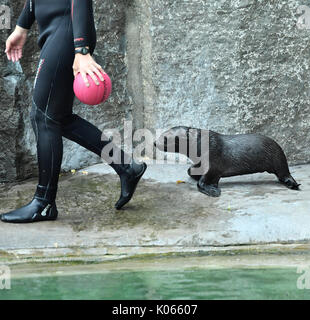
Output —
(269, 283)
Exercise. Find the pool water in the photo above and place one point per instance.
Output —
(234, 283)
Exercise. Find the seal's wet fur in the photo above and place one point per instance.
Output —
(229, 155)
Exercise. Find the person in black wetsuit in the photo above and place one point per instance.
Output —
(67, 40)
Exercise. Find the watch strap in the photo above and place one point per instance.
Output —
(82, 50)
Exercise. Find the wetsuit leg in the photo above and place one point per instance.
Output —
(52, 102)
(53, 98)
(52, 118)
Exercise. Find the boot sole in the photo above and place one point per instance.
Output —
(40, 219)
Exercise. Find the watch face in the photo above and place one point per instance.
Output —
(84, 51)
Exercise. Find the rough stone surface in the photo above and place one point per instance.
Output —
(16, 162)
(232, 66)
(163, 216)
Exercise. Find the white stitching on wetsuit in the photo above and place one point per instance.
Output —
(47, 116)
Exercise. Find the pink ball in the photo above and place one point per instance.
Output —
(107, 87)
(94, 94)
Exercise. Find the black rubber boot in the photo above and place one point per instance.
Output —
(130, 177)
(41, 208)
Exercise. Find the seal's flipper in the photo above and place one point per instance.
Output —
(211, 190)
(208, 184)
(289, 182)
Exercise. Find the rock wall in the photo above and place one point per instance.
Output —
(17, 143)
(16, 159)
(232, 66)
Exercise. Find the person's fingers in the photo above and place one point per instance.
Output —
(20, 53)
(83, 74)
(100, 68)
(16, 55)
(7, 46)
(92, 75)
(12, 55)
(98, 73)
(8, 50)
(8, 54)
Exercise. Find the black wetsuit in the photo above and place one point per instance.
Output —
(63, 25)
(53, 95)
(75, 15)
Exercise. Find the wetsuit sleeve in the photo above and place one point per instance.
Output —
(27, 16)
(82, 19)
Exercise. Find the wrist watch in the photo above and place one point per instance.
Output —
(82, 50)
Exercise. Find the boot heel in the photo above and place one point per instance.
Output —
(52, 212)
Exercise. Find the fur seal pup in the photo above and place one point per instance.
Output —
(228, 155)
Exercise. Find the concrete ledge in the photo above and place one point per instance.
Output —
(261, 255)
(163, 218)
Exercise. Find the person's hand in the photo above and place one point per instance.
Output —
(85, 64)
(15, 43)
